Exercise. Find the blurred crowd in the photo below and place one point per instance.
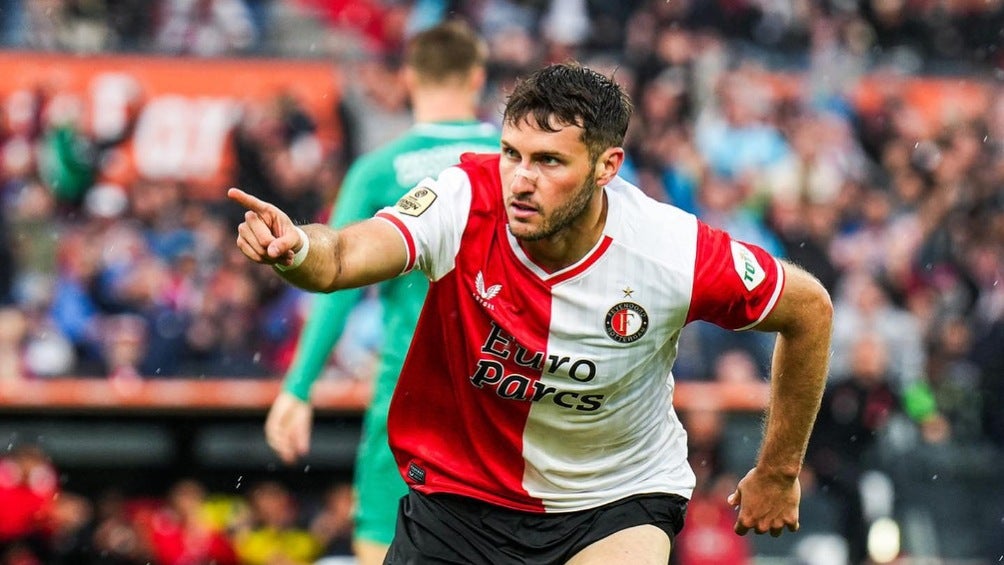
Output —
(961, 35)
(746, 113)
(43, 524)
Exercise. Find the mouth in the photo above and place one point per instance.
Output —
(521, 210)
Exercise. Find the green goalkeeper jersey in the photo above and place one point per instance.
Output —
(376, 180)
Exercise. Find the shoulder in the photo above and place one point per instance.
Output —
(635, 216)
(468, 176)
(374, 163)
(381, 154)
(488, 162)
(482, 171)
(472, 184)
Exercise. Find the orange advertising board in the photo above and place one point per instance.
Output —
(185, 109)
(937, 101)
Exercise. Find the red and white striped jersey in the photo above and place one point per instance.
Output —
(553, 392)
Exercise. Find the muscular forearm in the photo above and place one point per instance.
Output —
(319, 270)
(358, 255)
(798, 377)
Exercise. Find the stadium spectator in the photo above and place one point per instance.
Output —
(205, 28)
(376, 104)
(955, 380)
(806, 230)
(278, 154)
(180, 533)
(29, 488)
(37, 229)
(124, 341)
(117, 539)
(856, 407)
(863, 307)
(377, 27)
(13, 335)
(989, 357)
(709, 537)
(736, 136)
(74, 309)
(72, 529)
(274, 535)
(855, 410)
(332, 523)
(6, 258)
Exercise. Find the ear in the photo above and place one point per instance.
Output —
(478, 77)
(609, 164)
(410, 78)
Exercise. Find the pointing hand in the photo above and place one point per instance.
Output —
(267, 235)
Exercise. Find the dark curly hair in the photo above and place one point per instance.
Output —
(565, 94)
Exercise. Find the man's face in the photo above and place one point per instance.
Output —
(548, 179)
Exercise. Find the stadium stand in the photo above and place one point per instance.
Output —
(138, 351)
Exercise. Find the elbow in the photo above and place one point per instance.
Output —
(330, 263)
(816, 318)
(822, 306)
(811, 312)
(817, 307)
(329, 283)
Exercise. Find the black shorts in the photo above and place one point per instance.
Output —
(443, 528)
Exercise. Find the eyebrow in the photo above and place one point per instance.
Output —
(537, 154)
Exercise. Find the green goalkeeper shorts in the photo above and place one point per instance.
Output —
(378, 483)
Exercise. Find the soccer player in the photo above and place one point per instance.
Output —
(444, 70)
(533, 417)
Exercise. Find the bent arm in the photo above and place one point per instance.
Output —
(803, 318)
(768, 496)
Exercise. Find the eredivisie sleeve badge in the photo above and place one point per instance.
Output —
(416, 201)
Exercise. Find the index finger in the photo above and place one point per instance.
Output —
(248, 201)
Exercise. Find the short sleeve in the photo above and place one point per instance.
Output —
(431, 218)
(736, 284)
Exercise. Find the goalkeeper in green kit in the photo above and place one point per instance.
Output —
(444, 69)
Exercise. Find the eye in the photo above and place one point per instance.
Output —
(549, 161)
(510, 153)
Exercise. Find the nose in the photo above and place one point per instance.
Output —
(524, 178)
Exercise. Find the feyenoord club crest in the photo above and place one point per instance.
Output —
(626, 322)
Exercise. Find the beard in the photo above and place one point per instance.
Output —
(565, 215)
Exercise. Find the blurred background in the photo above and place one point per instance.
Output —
(139, 350)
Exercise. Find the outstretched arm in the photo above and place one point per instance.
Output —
(364, 253)
(768, 496)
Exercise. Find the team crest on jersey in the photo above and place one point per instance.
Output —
(626, 322)
(417, 201)
(750, 271)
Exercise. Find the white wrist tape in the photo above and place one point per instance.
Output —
(300, 255)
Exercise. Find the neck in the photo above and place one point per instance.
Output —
(443, 105)
(571, 244)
